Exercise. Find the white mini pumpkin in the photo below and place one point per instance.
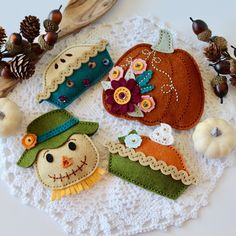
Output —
(215, 138)
(10, 117)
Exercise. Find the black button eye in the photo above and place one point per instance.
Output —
(49, 158)
(72, 146)
(106, 62)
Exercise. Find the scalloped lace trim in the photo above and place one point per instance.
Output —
(152, 162)
(69, 69)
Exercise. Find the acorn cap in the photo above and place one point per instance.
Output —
(218, 80)
(220, 42)
(43, 44)
(50, 26)
(205, 35)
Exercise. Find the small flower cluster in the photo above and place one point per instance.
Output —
(125, 94)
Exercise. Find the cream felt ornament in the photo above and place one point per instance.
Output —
(10, 117)
(64, 157)
(214, 138)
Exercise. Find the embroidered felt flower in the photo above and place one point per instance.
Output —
(123, 96)
(138, 66)
(116, 73)
(133, 141)
(29, 141)
(147, 103)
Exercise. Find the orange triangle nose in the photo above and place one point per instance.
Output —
(66, 161)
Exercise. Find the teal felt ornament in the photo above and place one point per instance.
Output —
(73, 72)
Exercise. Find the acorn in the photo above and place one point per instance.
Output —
(35, 52)
(26, 46)
(43, 44)
(6, 72)
(51, 38)
(56, 15)
(200, 28)
(220, 86)
(15, 38)
(222, 67)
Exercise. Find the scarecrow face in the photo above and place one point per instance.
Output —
(73, 161)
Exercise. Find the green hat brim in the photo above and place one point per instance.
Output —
(29, 156)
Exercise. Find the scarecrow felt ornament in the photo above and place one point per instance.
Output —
(155, 84)
(74, 71)
(150, 162)
(64, 157)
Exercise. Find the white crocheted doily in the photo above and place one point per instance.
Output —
(114, 206)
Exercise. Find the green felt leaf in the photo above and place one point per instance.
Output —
(147, 88)
(136, 113)
(133, 132)
(129, 75)
(144, 78)
(106, 85)
(145, 177)
(122, 139)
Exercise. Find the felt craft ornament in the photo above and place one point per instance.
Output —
(150, 165)
(74, 71)
(156, 84)
(215, 138)
(64, 157)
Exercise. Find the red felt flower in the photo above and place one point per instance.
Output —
(123, 96)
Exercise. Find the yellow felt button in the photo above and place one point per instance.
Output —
(146, 104)
(115, 74)
(138, 66)
(122, 95)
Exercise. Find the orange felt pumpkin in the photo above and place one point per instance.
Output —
(168, 86)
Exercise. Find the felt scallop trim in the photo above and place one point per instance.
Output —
(68, 71)
(151, 162)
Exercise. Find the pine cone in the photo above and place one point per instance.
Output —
(2, 36)
(212, 53)
(22, 67)
(220, 42)
(30, 28)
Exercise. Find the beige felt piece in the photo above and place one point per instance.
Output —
(64, 64)
(80, 163)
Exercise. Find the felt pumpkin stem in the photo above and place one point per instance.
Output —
(216, 132)
(165, 42)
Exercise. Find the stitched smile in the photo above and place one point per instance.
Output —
(73, 172)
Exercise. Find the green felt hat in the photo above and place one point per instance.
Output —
(51, 130)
